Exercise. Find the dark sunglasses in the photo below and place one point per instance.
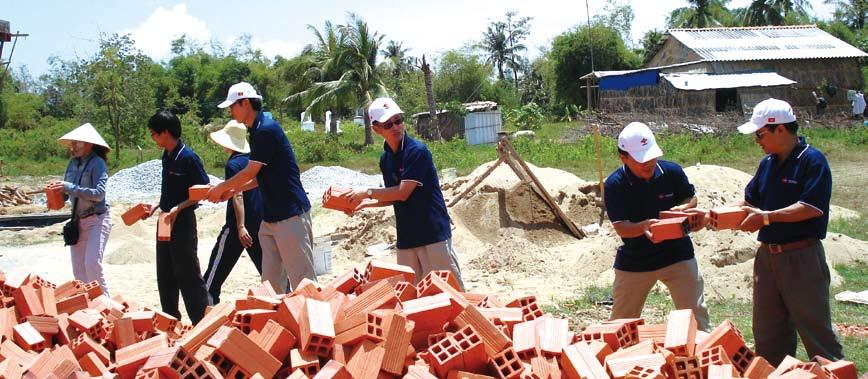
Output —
(389, 124)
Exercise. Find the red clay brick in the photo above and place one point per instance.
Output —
(164, 228)
(681, 332)
(724, 371)
(27, 302)
(348, 281)
(687, 368)
(506, 365)
(359, 327)
(758, 368)
(632, 325)
(641, 372)
(7, 321)
(405, 291)
(530, 309)
(797, 374)
(47, 300)
(365, 360)
(28, 338)
(473, 354)
(726, 217)
(91, 363)
(553, 336)
(448, 278)
(495, 341)
(377, 270)
(83, 344)
(338, 198)
(842, 369)
(129, 359)
(316, 327)
(198, 192)
(730, 339)
(430, 312)
(219, 315)
(54, 199)
(525, 340)
(252, 319)
(669, 229)
(333, 370)
(244, 353)
(398, 332)
(615, 335)
(714, 355)
(620, 367)
(275, 339)
(444, 356)
(289, 312)
(381, 295)
(134, 214)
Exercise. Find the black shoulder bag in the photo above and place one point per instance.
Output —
(70, 229)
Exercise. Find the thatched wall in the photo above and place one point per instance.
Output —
(662, 98)
(450, 126)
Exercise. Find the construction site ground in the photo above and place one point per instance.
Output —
(509, 243)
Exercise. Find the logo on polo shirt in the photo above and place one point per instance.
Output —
(665, 196)
(789, 181)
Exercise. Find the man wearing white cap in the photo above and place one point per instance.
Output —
(243, 214)
(84, 182)
(788, 202)
(635, 194)
(286, 233)
(412, 187)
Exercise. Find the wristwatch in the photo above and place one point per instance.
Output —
(370, 193)
(766, 221)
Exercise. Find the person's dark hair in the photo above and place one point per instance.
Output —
(792, 127)
(622, 152)
(165, 120)
(101, 151)
(256, 104)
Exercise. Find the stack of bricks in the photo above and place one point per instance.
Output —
(371, 323)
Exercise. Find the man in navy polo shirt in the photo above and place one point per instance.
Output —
(243, 214)
(412, 187)
(177, 262)
(286, 233)
(788, 202)
(635, 194)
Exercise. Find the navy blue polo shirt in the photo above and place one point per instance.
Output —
(804, 177)
(279, 178)
(422, 218)
(252, 198)
(182, 169)
(629, 198)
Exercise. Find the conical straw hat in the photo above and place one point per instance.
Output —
(84, 133)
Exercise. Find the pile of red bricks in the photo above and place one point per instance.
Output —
(363, 324)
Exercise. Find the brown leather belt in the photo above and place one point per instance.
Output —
(777, 248)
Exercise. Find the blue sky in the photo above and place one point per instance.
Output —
(71, 29)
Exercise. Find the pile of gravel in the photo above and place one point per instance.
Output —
(141, 183)
(318, 178)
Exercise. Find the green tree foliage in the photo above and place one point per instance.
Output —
(700, 14)
(571, 58)
(462, 77)
(649, 41)
(354, 59)
(853, 13)
(618, 15)
(776, 12)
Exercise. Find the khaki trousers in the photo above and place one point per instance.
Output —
(434, 257)
(287, 252)
(683, 280)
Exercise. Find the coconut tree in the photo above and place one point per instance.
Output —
(396, 61)
(357, 82)
(699, 14)
(775, 12)
(854, 13)
(495, 44)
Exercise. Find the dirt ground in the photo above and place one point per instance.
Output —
(508, 241)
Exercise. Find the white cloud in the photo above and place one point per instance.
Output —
(154, 35)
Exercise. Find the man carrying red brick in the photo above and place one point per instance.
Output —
(635, 194)
(412, 187)
(788, 202)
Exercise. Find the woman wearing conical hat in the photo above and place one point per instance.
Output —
(84, 184)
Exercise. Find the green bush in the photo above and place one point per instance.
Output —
(527, 117)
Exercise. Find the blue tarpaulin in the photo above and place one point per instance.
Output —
(627, 81)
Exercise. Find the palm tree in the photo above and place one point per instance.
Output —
(854, 13)
(699, 14)
(396, 61)
(775, 12)
(496, 46)
(358, 82)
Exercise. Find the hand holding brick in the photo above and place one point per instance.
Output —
(338, 198)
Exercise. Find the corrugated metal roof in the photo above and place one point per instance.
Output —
(603, 74)
(698, 82)
(764, 43)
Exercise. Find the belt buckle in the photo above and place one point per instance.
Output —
(775, 248)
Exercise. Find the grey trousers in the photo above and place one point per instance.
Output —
(287, 252)
(433, 257)
(791, 294)
(683, 280)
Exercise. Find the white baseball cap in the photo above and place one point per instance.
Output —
(769, 111)
(638, 140)
(382, 109)
(238, 91)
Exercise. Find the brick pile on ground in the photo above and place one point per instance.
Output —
(370, 323)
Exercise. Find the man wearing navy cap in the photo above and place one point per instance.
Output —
(635, 194)
(788, 202)
(412, 187)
